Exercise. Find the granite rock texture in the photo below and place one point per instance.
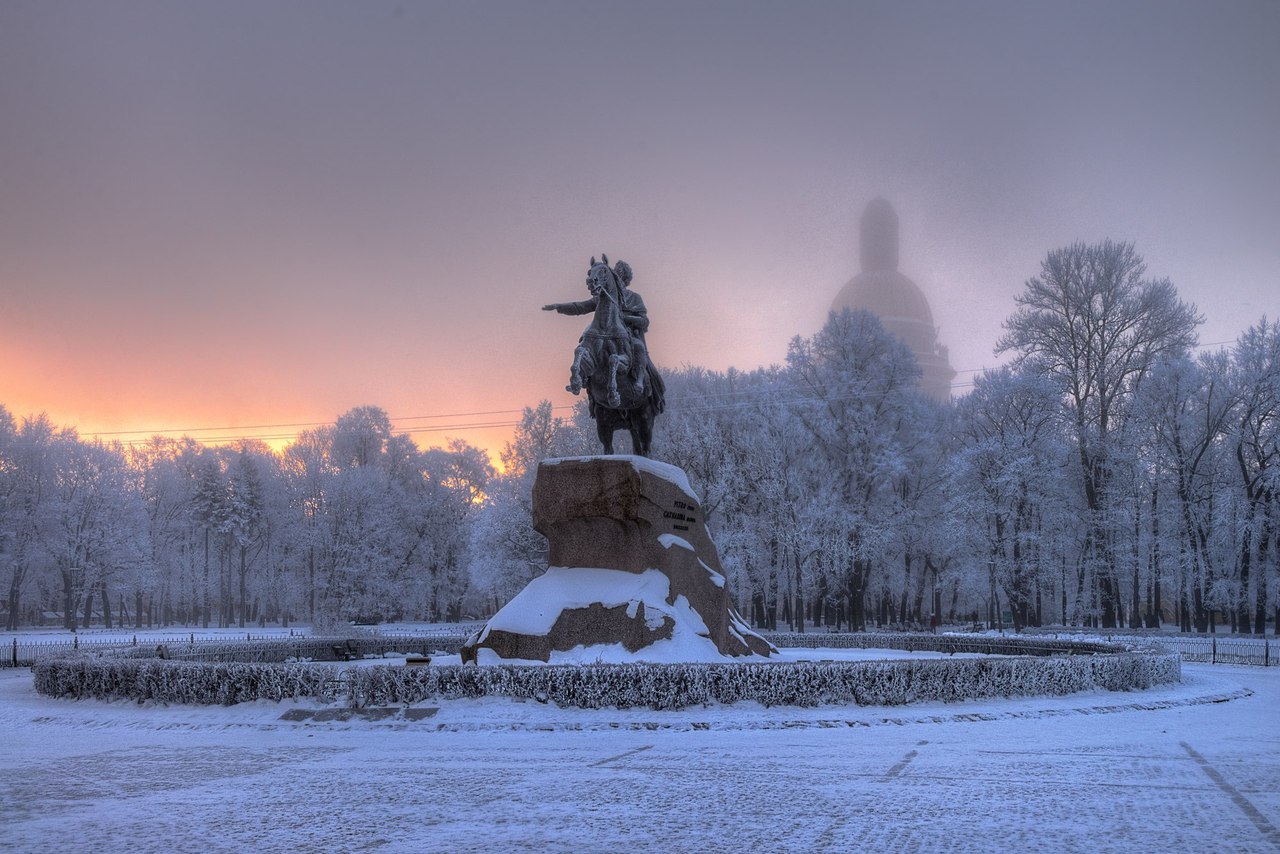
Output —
(631, 515)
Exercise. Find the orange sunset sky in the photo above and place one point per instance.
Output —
(234, 214)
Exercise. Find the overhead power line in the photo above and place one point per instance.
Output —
(241, 429)
(243, 432)
(165, 430)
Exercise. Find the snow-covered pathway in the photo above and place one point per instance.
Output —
(1165, 769)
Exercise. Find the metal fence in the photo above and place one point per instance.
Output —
(26, 653)
(192, 646)
(195, 647)
(1215, 650)
(1207, 649)
(950, 644)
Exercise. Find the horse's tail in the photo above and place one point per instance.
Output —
(657, 389)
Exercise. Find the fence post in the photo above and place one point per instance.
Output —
(15, 652)
(75, 643)
(1215, 650)
(1266, 652)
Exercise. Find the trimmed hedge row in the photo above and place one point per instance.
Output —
(181, 681)
(673, 686)
(658, 686)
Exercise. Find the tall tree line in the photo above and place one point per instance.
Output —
(350, 522)
(1108, 476)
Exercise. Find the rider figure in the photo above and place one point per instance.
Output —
(634, 316)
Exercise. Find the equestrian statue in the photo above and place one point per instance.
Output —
(624, 389)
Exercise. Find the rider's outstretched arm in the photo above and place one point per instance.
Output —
(586, 306)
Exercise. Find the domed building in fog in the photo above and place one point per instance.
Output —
(895, 299)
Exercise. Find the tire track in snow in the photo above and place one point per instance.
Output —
(827, 837)
(1266, 828)
(620, 756)
(905, 761)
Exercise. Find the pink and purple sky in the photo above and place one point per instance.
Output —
(231, 214)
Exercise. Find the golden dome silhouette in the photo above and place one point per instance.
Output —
(895, 299)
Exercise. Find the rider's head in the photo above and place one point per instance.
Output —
(623, 270)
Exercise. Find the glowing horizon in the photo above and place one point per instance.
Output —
(238, 214)
(488, 435)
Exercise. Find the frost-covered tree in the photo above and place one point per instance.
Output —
(160, 477)
(95, 527)
(506, 553)
(308, 471)
(1187, 403)
(1255, 448)
(1006, 487)
(26, 505)
(381, 529)
(1095, 324)
(856, 384)
(361, 547)
(453, 483)
(245, 522)
(8, 474)
(360, 437)
(919, 501)
(351, 501)
(735, 434)
(208, 512)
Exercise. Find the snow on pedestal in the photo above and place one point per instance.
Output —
(634, 575)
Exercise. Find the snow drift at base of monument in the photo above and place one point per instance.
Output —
(535, 610)
(634, 575)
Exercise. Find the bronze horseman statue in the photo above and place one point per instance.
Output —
(624, 389)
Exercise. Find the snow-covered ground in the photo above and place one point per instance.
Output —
(1187, 767)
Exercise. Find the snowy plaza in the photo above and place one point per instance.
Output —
(1188, 767)
(749, 427)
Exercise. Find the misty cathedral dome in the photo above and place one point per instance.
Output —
(895, 299)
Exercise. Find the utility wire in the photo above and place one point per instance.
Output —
(242, 433)
(758, 400)
(159, 431)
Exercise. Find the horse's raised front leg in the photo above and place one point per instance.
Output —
(581, 360)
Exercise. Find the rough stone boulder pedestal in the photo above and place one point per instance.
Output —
(633, 574)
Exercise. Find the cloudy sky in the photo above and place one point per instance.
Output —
(231, 214)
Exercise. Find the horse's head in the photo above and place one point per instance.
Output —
(602, 279)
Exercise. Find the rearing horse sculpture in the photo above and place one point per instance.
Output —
(606, 346)
(603, 364)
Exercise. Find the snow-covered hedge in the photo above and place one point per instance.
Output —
(659, 686)
(673, 686)
(183, 682)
